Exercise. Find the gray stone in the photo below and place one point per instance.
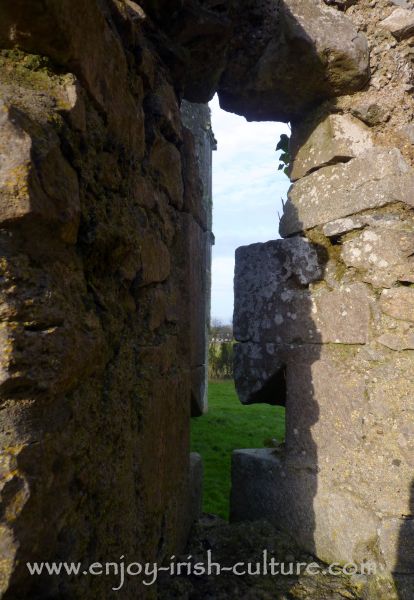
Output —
(352, 421)
(398, 303)
(341, 226)
(337, 138)
(400, 23)
(196, 486)
(383, 255)
(254, 366)
(320, 45)
(398, 533)
(374, 179)
(272, 306)
(262, 274)
(263, 488)
(408, 132)
(402, 3)
(404, 585)
(199, 142)
(298, 502)
(359, 433)
(46, 189)
(370, 113)
(397, 342)
(342, 316)
(197, 252)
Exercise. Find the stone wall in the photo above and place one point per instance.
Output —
(105, 229)
(198, 170)
(324, 320)
(106, 232)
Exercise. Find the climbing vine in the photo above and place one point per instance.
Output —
(284, 158)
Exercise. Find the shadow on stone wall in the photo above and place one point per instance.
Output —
(277, 361)
(404, 569)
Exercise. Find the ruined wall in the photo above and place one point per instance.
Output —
(325, 320)
(105, 234)
(197, 121)
(105, 243)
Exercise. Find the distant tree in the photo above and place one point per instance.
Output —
(220, 330)
(213, 361)
(226, 359)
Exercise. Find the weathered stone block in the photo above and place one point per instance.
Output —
(165, 159)
(289, 38)
(254, 366)
(196, 486)
(370, 113)
(371, 180)
(297, 501)
(254, 483)
(325, 393)
(155, 260)
(35, 179)
(334, 139)
(383, 255)
(194, 251)
(404, 584)
(271, 307)
(397, 543)
(384, 221)
(265, 274)
(400, 23)
(199, 142)
(397, 342)
(398, 303)
(341, 316)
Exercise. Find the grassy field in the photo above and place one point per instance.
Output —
(229, 425)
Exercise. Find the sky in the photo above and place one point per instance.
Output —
(247, 192)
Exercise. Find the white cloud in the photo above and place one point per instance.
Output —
(247, 192)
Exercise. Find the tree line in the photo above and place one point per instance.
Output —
(220, 351)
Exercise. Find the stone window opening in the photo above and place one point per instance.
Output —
(261, 204)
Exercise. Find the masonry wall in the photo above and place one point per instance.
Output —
(325, 319)
(105, 230)
(105, 244)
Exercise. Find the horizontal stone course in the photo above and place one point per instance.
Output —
(374, 179)
(334, 139)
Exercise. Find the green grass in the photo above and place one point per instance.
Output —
(229, 425)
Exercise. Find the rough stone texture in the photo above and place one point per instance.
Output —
(375, 179)
(330, 140)
(398, 303)
(272, 306)
(400, 23)
(342, 483)
(398, 533)
(102, 342)
(196, 486)
(194, 42)
(265, 272)
(105, 239)
(307, 38)
(197, 173)
(370, 113)
(341, 4)
(254, 366)
(383, 255)
(255, 494)
(233, 543)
